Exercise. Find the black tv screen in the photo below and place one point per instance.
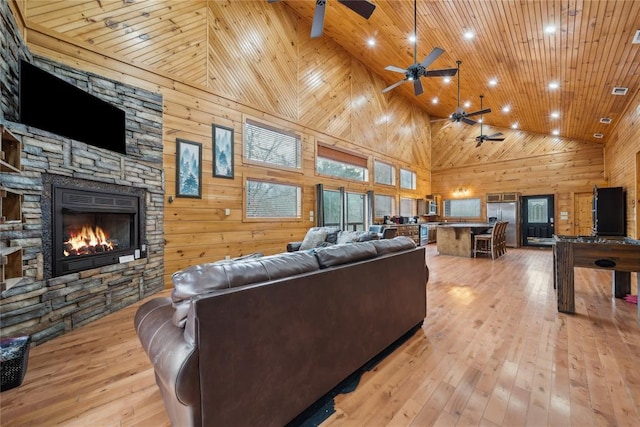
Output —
(49, 103)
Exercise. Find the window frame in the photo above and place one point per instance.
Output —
(449, 201)
(249, 161)
(414, 179)
(245, 191)
(332, 154)
(393, 173)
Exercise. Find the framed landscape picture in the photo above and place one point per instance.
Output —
(188, 169)
(222, 152)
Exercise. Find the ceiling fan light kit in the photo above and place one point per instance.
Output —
(460, 115)
(419, 69)
(480, 139)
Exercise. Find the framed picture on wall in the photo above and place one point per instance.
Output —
(222, 152)
(188, 169)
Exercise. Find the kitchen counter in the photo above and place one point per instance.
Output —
(456, 239)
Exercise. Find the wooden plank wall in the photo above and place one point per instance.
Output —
(524, 162)
(221, 62)
(621, 168)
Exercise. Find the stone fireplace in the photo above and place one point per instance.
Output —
(61, 279)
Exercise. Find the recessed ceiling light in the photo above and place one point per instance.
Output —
(514, 126)
(555, 114)
(605, 120)
(619, 90)
(636, 38)
(447, 79)
(493, 82)
(467, 104)
(434, 101)
(506, 108)
(555, 132)
(371, 42)
(412, 38)
(480, 120)
(550, 29)
(598, 135)
(468, 34)
(554, 85)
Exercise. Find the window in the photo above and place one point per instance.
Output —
(407, 179)
(408, 207)
(272, 200)
(384, 205)
(266, 144)
(384, 173)
(462, 208)
(341, 164)
(355, 212)
(332, 204)
(339, 203)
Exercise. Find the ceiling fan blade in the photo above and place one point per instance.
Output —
(479, 141)
(318, 18)
(395, 69)
(439, 120)
(494, 137)
(396, 84)
(445, 72)
(468, 121)
(417, 87)
(475, 113)
(272, 1)
(361, 7)
(435, 53)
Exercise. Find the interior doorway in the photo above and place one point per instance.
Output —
(583, 217)
(537, 220)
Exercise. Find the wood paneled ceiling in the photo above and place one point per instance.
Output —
(589, 54)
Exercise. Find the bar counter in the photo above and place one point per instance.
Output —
(457, 238)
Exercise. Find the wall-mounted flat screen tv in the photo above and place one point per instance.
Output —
(50, 103)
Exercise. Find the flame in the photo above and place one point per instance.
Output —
(89, 238)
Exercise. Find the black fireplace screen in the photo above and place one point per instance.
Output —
(93, 229)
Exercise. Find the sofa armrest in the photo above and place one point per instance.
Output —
(174, 359)
(293, 246)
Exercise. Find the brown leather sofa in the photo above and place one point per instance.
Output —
(259, 341)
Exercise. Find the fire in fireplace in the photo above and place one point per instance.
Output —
(92, 228)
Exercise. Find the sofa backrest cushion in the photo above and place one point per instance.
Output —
(396, 244)
(209, 277)
(289, 264)
(344, 254)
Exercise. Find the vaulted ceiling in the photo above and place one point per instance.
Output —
(589, 53)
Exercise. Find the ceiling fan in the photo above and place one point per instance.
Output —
(460, 115)
(482, 138)
(419, 69)
(363, 8)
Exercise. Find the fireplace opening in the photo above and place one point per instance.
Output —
(93, 228)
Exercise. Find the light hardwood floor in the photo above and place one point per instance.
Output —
(493, 351)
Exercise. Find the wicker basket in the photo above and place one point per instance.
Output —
(14, 355)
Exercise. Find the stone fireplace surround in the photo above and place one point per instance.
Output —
(39, 305)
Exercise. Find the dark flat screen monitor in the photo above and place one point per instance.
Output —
(50, 103)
